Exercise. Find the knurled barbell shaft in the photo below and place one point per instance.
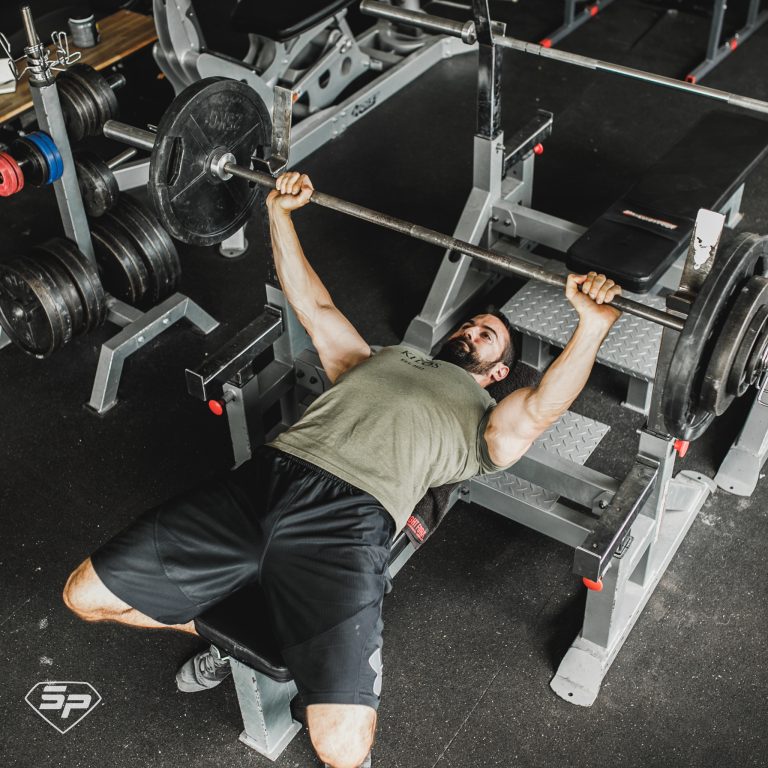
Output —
(468, 35)
(145, 140)
(499, 261)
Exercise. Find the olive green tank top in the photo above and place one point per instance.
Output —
(395, 425)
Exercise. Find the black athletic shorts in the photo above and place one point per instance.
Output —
(318, 546)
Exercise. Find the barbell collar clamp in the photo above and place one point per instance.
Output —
(218, 161)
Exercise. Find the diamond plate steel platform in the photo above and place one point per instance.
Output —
(543, 312)
(573, 437)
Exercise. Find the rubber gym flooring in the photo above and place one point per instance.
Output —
(480, 618)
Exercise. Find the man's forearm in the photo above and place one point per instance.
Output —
(300, 283)
(568, 374)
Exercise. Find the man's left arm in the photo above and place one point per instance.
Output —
(527, 413)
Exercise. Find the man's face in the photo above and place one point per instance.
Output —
(477, 345)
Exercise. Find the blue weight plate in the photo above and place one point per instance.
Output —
(52, 156)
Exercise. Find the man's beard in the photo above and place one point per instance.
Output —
(461, 353)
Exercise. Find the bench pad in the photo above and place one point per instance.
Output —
(241, 626)
(638, 238)
(285, 19)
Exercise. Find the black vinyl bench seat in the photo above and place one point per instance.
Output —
(241, 627)
(283, 20)
(639, 237)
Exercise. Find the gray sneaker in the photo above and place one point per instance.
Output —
(366, 764)
(203, 671)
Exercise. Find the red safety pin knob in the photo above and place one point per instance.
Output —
(216, 407)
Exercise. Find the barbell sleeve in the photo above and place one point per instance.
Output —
(462, 29)
(129, 134)
(143, 139)
(469, 36)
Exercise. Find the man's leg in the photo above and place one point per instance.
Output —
(342, 734)
(86, 595)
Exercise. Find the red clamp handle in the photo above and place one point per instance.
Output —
(681, 446)
(595, 586)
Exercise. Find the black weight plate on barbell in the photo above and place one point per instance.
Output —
(736, 261)
(98, 185)
(32, 314)
(124, 219)
(741, 376)
(160, 238)
(194, 205)
(122, 268)
(715, 394)
(86, 278)
(52, 265)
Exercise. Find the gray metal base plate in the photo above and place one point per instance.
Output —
(573, 437)
(580, 674)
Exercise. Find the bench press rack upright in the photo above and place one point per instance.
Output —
(138, 328)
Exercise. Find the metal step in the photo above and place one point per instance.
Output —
(573, 439)
(632, 346)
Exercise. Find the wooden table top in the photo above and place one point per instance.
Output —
(122, 34)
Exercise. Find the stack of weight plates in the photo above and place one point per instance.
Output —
(137, 259)
(87, 101)
(49, 296)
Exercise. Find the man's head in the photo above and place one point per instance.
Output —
(482, 346)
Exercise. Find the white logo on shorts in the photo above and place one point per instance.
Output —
(378, 668)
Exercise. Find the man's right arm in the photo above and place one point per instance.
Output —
(527, 413)
(336, 340)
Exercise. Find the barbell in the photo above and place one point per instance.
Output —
(466, 31)
(203, 187)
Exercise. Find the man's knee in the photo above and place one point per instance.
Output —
(85, 594)
(342, 734)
